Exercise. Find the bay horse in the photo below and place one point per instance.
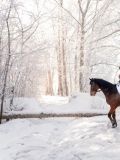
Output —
(111, 94)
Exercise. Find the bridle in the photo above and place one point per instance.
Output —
(99, 90)
(95, 90)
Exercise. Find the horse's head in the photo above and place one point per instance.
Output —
(94, 87)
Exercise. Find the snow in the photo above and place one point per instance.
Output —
(23, 105)
(54, 100)
(60, 138)
(81, 103)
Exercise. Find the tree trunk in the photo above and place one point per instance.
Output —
(62, 75)
(6, 66)
(81, 71)
(49, 88)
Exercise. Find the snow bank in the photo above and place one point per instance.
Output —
(23, 105)
(81, 103)
(54, 100)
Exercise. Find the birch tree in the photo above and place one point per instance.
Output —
(62, 76)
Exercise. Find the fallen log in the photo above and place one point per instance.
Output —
(50, 115)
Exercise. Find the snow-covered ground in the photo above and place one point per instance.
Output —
(60, 139)
(80, 103)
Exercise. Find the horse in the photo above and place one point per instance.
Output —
(111, 94)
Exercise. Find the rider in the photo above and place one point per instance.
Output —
(118, 83)
(119, 79)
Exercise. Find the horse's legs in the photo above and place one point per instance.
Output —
(114, 124)
(112, 117)
(109, 116)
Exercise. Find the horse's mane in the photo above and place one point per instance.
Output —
(105, 84)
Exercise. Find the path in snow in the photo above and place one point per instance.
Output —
(59, 139)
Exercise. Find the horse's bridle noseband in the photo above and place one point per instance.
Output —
(98, 90)
(95, 91)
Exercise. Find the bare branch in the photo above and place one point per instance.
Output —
(68, 12)
(80, 7)
(87, 6)
(104, 63)
(107, 36)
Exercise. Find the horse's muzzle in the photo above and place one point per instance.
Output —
(92, 93)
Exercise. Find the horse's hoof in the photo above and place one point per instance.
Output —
(114, 125)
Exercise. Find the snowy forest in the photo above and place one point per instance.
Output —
(53, 47)
(49, 51)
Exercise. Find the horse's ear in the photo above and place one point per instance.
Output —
(90, 79)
